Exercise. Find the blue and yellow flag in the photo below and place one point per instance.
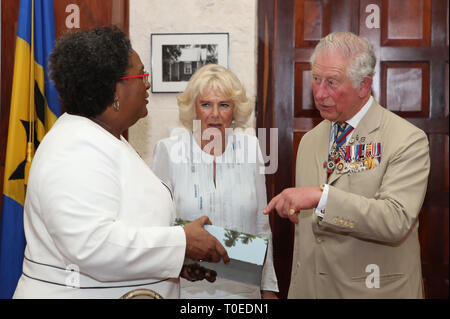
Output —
(34, 109)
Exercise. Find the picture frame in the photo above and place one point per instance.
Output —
(176, 56)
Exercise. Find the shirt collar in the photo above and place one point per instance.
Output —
(354, 121)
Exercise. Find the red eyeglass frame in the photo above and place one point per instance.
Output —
(135, 76)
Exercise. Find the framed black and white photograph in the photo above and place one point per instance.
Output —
(176, 56)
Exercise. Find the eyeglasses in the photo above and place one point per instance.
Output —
(143, 76)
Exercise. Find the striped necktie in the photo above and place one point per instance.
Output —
(343, 130)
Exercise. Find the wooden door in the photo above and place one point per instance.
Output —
(410, 39)
(69, 14)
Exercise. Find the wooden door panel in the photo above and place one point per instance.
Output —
(405, 88)
(312, 22)
(446, 89)
(406, 22)
(303, 98)
(446, 163)
(93, 13)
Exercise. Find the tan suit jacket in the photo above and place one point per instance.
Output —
(371, 217)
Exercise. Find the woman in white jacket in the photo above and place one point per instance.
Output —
(97, 220)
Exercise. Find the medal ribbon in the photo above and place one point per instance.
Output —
(343, 130)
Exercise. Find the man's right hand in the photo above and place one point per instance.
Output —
(201, 245)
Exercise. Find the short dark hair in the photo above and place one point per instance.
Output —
(85, 66)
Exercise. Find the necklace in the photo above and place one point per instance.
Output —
(104, 125)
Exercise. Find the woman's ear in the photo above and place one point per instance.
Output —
(119, 89)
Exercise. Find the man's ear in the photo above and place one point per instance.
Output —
(365, 87)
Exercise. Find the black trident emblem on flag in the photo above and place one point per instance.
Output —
(19, 172)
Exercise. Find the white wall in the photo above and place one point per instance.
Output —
(237, 17)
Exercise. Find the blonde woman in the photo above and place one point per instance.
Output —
(214, 170)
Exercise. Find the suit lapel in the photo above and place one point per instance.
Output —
(368, 125)
(322, 154)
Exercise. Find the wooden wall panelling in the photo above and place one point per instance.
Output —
(264, 112)
(446, 90)
(445, 221)
(309, 22)
(303, 98)
(374, 36)
(276, 110)
(435, 212)
(283, 115)
(93, 13)
(406, 22)
(344, 8)
(405, 88)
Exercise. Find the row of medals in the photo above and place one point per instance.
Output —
(336, 161)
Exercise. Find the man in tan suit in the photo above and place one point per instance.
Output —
(359, 188)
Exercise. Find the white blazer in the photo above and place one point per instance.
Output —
(97, 220)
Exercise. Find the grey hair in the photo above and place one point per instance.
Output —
(358, 49)
(217, 78)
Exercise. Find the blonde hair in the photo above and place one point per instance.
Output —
(217, 78)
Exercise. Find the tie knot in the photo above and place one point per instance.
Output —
(342, 126)
(343, 129)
